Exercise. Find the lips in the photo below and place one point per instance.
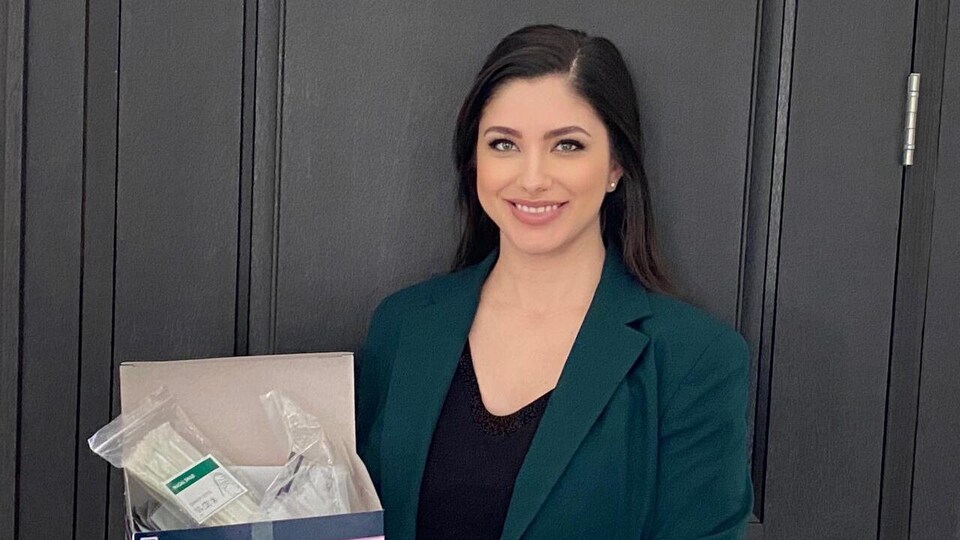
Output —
(536, 212)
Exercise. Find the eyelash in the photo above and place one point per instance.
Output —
(577, 145)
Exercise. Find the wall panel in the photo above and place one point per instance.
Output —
(178, 183)
(52, 211)
(936, 474)
(838, 249)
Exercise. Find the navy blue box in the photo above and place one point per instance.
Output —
(361, 525)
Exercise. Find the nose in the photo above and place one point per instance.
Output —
(533, 177)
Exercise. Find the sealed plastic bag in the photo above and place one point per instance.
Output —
(322, 477)
(159, 447)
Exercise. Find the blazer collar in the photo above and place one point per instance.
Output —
(431, 341)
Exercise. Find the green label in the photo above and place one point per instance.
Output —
(188, 477)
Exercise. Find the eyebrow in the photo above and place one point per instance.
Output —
(566, 130)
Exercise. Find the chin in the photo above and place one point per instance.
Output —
(535, 246)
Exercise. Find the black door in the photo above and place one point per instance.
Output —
(189, 179)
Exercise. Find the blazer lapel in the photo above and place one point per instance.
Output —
(602, 354)
(431, 340)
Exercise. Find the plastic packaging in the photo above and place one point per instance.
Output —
(320, 477)
(188, 483)
(162, 450)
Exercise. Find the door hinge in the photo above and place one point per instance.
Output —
(910, 129)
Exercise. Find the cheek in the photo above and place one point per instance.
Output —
(493, 175)
(586, 177)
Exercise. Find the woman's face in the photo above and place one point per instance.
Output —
(544, 164)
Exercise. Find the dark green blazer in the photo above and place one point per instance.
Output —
(644, 435)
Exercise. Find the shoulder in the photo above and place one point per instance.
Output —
(375, 355)
(690, 345)
(682, 324)
(417, 294)
(411, 297)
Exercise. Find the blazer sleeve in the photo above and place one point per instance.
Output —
(373, 367)
(704, 487)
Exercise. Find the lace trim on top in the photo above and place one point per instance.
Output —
(491, 424)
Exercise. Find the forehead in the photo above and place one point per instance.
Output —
(542, 103)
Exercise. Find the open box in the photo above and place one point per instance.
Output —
(221, 397)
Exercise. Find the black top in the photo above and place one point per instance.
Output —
(473, 461)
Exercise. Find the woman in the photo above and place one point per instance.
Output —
(549, 386)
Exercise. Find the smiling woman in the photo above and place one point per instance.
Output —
(549, 386)
(531, 173)
(575, 95)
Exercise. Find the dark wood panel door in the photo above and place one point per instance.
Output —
(221, 177)
(935, 510)
(837, 268)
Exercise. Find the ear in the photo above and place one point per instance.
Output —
(616, 173)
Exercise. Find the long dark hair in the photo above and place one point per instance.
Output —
(597, 72)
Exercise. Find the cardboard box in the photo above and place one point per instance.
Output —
(221, 396)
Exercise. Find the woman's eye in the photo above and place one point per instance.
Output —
(502, 145)
(569, 145)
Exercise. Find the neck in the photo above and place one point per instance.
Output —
(546, 283)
